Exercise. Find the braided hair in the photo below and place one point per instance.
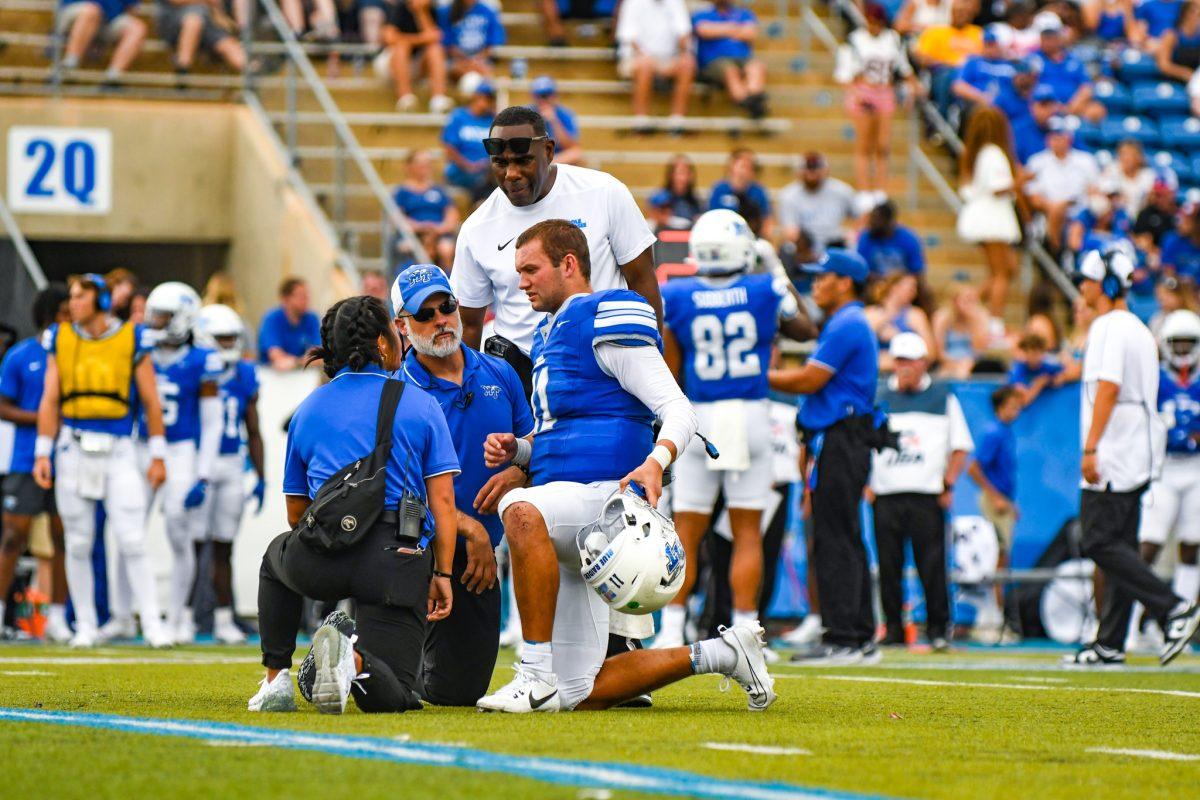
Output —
(350, 334)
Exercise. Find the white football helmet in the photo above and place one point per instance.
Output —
(721, 243)
(179, 304)
(632, 557)
(1179, 339)
(221, 322)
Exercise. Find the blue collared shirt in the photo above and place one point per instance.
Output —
(277, 330)
(22, 377)
(847, 348)
(490, 400)
(336, 424)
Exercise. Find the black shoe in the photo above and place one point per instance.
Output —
(1178, 630)
(939, 644)
(828, 655)
(1096, 655)
(306, 676)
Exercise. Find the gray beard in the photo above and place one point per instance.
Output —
(426, 347)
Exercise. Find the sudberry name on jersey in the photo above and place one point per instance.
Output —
(724, 329)
(580, 411)
(1180, 405)
(180, 374)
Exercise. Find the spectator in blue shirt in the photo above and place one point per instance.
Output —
(676, 205)
(80, 20)
(739, 188)
(1101, 220)
(995, 470)
(428, 208)
(467, 163)
(1177, 53)
(1181, 248)
(289, 331)
(470, 30)
(1063, 72)
(985, 78)
(725, 37)
(561, 124)
(1029, 133)
(1153, 19)
(888, 246)
(1035, 369)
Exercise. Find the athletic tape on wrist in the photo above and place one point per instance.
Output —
(43, 447)
(157, 446)
(662, 455)
(524, 453)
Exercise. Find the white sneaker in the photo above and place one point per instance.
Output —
(225, 630)
(510, 637)
(750, 671)
(1180, 628)
(406, 103)
(184, 630)
(117, 628)
(527, 692)
(276, 695)
(158, 635)
(85, 638)
(333, 653)
(807, 632)
(440, 104)
(58, 631)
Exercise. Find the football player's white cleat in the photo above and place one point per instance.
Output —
(117, 628)
(525, 693)
(750, 671)
(276, 695)
(1180, 627)
(333, 654)
(225, 630)
(58, 631)
(85, 638)
(806, 632)
(183, 632)
(158, 636)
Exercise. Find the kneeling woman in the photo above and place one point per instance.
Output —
(385, 566)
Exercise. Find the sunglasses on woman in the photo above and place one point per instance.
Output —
(518, 145)
(447, 306)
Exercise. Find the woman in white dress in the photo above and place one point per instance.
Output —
(989, 217)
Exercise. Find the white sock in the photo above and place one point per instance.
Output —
(713, 655)
(1186, 582)
(673, 619)
(141, 581)
(745, 617)
(539, 657)
(223, 617)
(120, 594)
(81, 583)
(57, 612)
(183, 574)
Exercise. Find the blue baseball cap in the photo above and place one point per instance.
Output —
(1043, 93)
(1058, 124)
(485, 87)
(846, 263)
(543, 86)
(415, 284)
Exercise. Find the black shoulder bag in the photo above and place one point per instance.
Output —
(351, 501)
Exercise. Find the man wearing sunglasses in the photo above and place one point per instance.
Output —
(532, 188)
(479, 394)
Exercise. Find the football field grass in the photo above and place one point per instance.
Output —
(127, 722)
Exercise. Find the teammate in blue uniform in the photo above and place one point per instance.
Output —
(22, 378)
(186, 377)
(1173, 508)
(720, 329)
(96, 375)
(599, 380)
(219, 328)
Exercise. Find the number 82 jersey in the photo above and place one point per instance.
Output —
(725, 328)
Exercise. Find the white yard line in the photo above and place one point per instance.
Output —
(1188, 667)
(69, 661)
(1160, 755)
(1028, 687)
(20, 672)
(757, 749)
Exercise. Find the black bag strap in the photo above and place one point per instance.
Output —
(388, 401)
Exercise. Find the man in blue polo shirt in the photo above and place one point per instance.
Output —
(479, 394)
(887, 246)
(725, 37)
(1029, 132)
(1061, 69)
(287, 332)
(840, 431)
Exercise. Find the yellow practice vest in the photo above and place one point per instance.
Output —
(95, 374)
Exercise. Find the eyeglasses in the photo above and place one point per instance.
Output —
(447, 306)
(518, 145)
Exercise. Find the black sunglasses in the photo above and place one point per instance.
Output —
(518, 145)
(447, 306)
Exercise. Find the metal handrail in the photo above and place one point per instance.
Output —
(298, 60)
(22, 247)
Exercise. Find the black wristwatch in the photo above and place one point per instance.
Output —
(440, 574)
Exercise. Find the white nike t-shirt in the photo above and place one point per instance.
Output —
(485, 272)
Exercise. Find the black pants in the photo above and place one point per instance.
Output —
(1109, 522)
(460, 651)
(390, 589)
(921, 519)
(718, 602)
(839, 555)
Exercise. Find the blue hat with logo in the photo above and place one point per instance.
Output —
(543, 86)
(415, 284)
(1043, 93)
(845, 263)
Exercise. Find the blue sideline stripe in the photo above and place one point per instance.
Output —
(627, 777)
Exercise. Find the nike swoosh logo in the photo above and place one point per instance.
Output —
(500, 247)
(536, 703)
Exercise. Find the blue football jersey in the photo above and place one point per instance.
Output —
(1181, 404)
(724, 331)
(179, 382)
(586, 427)
(239, 386)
